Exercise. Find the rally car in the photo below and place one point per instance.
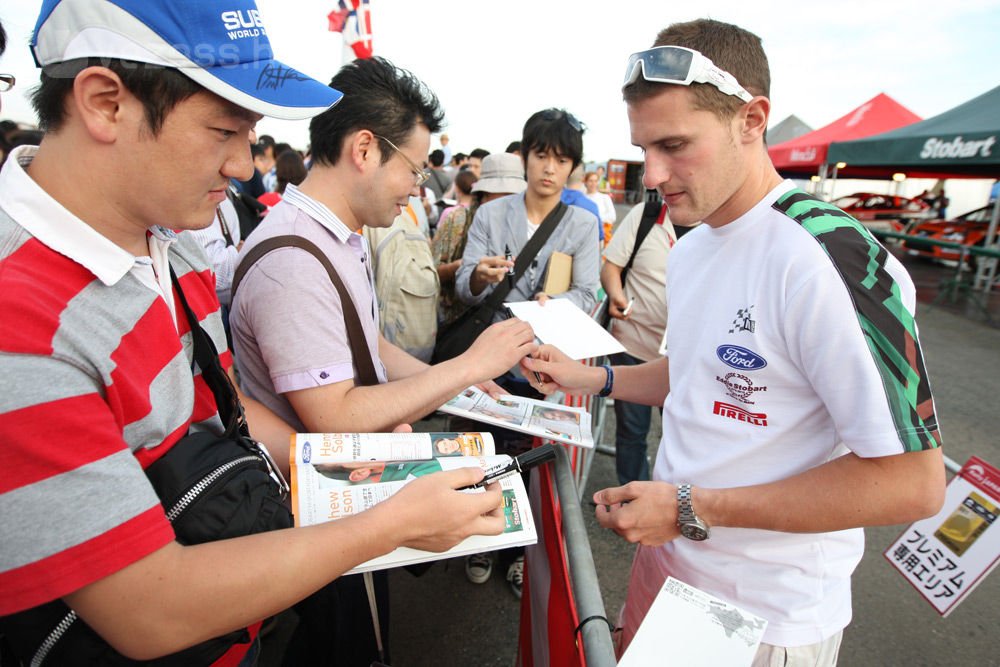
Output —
(967, 229)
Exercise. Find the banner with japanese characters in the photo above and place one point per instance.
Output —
(947, 555)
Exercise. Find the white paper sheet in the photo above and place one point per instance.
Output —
(560, 322)
(686, 626)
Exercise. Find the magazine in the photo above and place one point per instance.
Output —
(335, 475)
(544, 419)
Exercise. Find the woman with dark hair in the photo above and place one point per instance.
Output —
(464, 180)
(289, 168)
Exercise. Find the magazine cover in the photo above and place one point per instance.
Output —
(551, 421)
(333, 477)
(331, 447)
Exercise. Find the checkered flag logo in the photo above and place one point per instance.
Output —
(743, 321)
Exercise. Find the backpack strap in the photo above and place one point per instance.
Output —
(362, 358)
(650, 212)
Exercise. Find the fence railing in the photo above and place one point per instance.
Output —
(594, 628)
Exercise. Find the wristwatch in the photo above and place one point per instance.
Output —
(691, 526)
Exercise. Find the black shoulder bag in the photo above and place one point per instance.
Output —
(212, 487)
(456, 337)
(650, 212)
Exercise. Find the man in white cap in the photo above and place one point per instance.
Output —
(96, 360)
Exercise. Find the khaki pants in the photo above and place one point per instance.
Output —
(822, 654)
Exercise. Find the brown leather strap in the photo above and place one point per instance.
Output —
(363, 364)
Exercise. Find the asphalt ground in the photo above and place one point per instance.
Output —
(442, 619)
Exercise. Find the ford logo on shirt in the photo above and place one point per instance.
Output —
(306, 452)
(741, 358)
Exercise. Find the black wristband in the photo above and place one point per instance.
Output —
(609, 384)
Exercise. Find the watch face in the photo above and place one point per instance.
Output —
(693, 531)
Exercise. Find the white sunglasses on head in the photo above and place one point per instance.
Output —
(681, 66)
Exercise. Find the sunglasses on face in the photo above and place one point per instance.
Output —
(681, 66)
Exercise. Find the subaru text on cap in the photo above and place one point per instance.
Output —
(220, 44)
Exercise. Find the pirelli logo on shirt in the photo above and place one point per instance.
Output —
(739, 414)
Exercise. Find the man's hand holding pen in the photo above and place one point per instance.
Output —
(491, 270)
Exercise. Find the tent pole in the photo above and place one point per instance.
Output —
(987, 268)
(820, 184)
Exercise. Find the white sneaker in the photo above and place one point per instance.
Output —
(478, 568)
(515, 576)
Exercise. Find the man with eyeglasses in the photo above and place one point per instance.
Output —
(98, 378)
(288, 326)
(796, 403)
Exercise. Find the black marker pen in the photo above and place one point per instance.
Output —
(518, 464)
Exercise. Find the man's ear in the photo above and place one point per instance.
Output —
(101, 102)
(754, 119)
(363, 148)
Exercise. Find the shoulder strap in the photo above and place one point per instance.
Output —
(225, 228)
(527, 254)
(355, 334)
(650, 213)
(207, 358)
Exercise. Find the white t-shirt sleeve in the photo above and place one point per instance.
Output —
(826, 341)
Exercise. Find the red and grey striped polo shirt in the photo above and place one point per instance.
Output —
(96, 384)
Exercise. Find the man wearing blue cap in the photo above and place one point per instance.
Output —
(796, 405)
(95, 346)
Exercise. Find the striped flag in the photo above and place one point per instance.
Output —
(352, 19)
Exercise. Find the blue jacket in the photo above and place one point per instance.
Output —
(572, 197)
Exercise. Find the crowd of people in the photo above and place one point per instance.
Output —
(252, 289)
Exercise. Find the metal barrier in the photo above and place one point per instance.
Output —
(594, 629)
(952, 286)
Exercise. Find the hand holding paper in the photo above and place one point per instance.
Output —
(501, 346)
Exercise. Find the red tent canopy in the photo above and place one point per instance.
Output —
(803, 155)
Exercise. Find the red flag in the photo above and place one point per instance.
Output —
(337, 18)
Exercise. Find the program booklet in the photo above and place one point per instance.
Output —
(335, 475)
(551, 421)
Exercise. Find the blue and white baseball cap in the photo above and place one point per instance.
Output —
(220, 44)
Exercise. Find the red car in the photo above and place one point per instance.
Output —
(888, 213)
(968, 229)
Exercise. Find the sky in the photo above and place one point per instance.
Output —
(494, 64)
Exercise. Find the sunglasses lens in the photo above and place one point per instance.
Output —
(661, 64)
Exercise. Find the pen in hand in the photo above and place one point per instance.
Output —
(628, 308)
(510, 315)
(518, 464)
(510, 269)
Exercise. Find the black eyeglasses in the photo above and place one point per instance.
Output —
(6, 82)
(556, 114)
